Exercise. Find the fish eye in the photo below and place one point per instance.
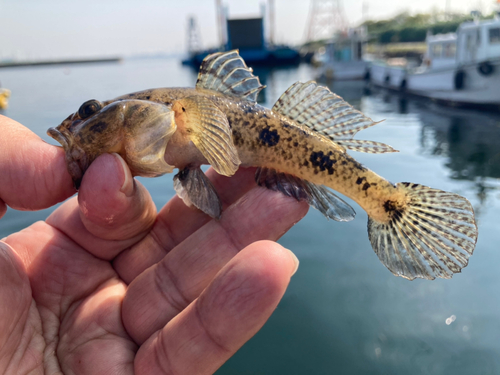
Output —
(88, 108)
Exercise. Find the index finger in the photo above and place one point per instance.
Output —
(33, 174)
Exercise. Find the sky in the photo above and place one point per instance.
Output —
(43, 29)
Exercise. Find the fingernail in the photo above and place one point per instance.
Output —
(296, 261)
(128, 183)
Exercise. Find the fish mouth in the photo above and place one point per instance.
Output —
(74, 156)
(59, 137)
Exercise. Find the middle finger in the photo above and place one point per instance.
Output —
(179, 278)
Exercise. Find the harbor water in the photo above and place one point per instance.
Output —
(344, 312)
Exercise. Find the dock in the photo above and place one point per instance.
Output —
(15, 64)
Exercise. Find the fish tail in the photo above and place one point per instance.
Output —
(431, 234)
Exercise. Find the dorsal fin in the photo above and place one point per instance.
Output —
(227, 73)
(321, 110)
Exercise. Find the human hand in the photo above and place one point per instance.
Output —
(107, 285)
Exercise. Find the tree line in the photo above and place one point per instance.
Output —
(412, 28)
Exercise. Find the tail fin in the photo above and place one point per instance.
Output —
(432, 236)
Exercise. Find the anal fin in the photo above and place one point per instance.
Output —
(317, 196)
(195, 189)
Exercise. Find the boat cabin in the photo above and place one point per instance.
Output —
(441, 50)
(348, 46)
(473, 42)
(478, 41)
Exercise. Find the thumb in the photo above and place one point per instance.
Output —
(113, 205)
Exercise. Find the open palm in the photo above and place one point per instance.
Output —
(106, 285)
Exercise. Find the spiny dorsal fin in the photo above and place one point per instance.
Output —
(207, 127)
(227, 73)
(319, 109)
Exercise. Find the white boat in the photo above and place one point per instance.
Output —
(461, 68)
(342, 57)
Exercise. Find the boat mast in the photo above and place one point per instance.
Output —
(326, 17)
(271, 22)
(219, 13)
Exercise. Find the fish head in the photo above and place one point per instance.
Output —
(138, 130)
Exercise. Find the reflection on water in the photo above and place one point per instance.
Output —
(343, 313)
(468, 139)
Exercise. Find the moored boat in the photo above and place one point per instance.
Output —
(461, 68)
(342, 57)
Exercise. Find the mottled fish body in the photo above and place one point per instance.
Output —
(299, 147)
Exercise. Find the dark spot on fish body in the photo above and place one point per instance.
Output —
(269, 137)
(360, 180)
(237, 138)
(389, 206)
(98, 127)
(366, 185)
(135, 107)
(323, 162)
(394, 210)
(287, 155)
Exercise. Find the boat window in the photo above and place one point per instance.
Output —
(437, 50)
(495, 35)
(450, 49)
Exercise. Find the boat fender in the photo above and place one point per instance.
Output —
(459, 79)
(387, 80)
(367, 75)
(402, 85)
(485, 68)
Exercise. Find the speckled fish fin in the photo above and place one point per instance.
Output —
(195, 189)
(317, 196)
(432, 235)
(227, 73)
(207, 127)
(321, 110)
(371, 147)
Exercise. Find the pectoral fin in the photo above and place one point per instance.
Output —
(195, 189)
(207, 127)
